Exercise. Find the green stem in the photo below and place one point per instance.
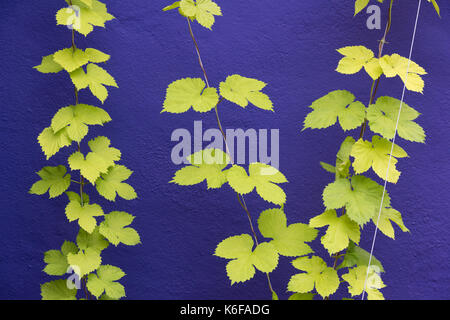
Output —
(376, 83)
(240, 197)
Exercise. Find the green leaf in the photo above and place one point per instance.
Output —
(71, 59)
(287, 240)
(56, 260)
(51, 142)
(385, 225)
(274, 296)
(174, 5)
(48, 65)
(114, 228)
(186, 93)
(383, 115)
(111, 184)
(244, 260)
(96, 78)
(376, 155)
(85, 261)
(356, 278)
(206, 165)
(263, 177)
(201, 10)
(75, 119)
(53, 179)
(339, 232)
(57, 290)
(360, 5)
(328, 167)
(73, 196)
(361, 198)
(96, 56)
(91, 13)
(409, 72)
(343, 158)
(301, 296)
(317, 274)
(242, 90)
(355, 58)
(105, 281)
(339, 104)
(84, 214)
(101, 157)
(357, 256)
(436, 7)
(92, 240)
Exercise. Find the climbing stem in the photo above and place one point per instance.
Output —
(240, 197)
(376, 83)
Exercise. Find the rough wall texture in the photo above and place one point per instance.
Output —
(289, 44)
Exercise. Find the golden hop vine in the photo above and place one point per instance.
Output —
(97, 169)
(353, 200)
(245, 251)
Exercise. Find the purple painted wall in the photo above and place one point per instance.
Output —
(288, 44)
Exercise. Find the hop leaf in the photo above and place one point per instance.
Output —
(262, 177)
(376, 155)
(244, 259)
(287, 240)
(356, 256)
(92, 240)
(96, 56)
(53, 179)
(56, 260)
(96, 78)
(361, 198)
(85, 261)
(383, 115)
(57, 290)
(114, 228)
(396, 65)
(360, 5)
(339, 104)
(101, 157)
(174, 5)
(357, 57)
(111, 184)
(242, 90)
(84, 214)
(436, 7)
(340, 230)
(77, 118)
(385, 225)
(91, 13)
(186, 93)
(317, 274)
(48, 65)
(51, 142)
(105, 281)
(356, 278)
(71, 59)
(302, 296)
(343, 158)
(201, 10)
(206, 165)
